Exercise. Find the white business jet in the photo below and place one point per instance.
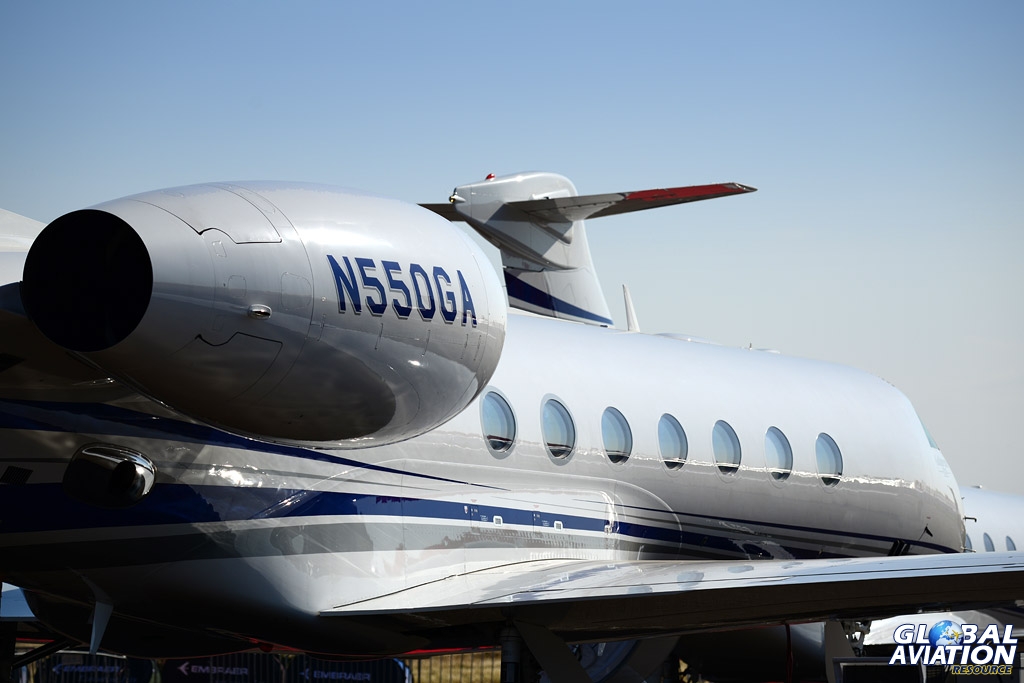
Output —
(297, 417)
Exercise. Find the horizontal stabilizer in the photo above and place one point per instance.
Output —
(568, 209)
(446, 210)
(562, 209)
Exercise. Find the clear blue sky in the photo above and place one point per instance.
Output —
(887, 140)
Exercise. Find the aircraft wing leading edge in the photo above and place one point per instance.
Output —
(585, 600)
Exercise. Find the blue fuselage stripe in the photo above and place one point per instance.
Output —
(527, 293)
(45, 507)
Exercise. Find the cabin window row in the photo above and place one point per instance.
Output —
(990, 546)
(559, 433)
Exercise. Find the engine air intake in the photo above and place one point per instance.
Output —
(88, 280)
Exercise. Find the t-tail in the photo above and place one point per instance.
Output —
(537, 219)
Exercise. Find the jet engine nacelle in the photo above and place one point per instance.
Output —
(297, 313)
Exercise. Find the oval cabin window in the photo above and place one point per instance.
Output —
(618, 440)
(498, 422)
(830, 460)
(778, 454)
(671, 442)
(558, 428)
(726, 446)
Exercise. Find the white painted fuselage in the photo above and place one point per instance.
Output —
(236, 527)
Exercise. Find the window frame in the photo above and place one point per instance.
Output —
(673, 464)
(727, 469)
(483, 428)
(778, 475)
(835, 477)
(616, 415)
(573, 447)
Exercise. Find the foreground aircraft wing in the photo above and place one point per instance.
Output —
(586, 600)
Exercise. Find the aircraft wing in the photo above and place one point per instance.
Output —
(588, 600)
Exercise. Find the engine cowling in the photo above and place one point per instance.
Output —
(297, 313)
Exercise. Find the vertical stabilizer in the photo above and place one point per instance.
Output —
(547, 263)
(536, 220)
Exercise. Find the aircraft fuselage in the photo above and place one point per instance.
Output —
(247, 541)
